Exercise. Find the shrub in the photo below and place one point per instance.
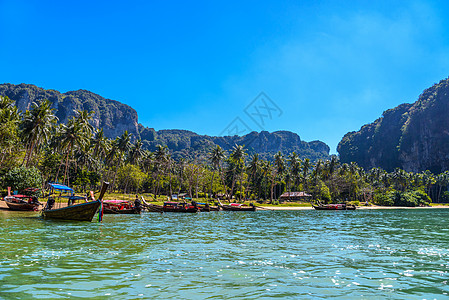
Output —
(21, 178)
(444, 197)
(383, 199)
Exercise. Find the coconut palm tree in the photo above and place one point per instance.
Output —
(71, 136)
(238, 164)
(100, 144)
(279, 163)
(160, 156)
(119, 151)
(253, 169)
(136, 152)
(295, 168)
(36, 127)
(9, 120)
(216, 157)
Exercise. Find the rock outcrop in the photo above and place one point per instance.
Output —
(114, 117)
(414, 137)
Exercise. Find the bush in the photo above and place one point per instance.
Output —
(408, 199)
(383, 199)
(202, 195)
(21, 178)
(444, 198)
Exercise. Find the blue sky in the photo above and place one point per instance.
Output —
(329, 66)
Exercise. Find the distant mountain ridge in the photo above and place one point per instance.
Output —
(185, 143)
(115, 118)
(414, 137)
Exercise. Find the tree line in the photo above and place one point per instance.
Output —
(35, 149)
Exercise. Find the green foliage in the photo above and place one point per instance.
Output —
(130, 177)
(407, 199)
(21, 178)
(445, 197)
(383, 199)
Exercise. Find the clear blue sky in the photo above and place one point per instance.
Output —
(330, 66)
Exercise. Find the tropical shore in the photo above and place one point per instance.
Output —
(3, 206)
(358, 207)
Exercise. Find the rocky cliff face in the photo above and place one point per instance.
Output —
(114, 117)
(414, 137)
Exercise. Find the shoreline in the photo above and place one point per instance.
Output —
(3, 206)
(358, 207)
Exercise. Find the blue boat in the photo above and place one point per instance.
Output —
(77, 212)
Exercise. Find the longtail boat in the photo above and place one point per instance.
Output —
(180, 207)
(122, 207)
(22, 202)
(238, 207)
(77, 212)
(152, 207)
(205, 207)
(341, 206)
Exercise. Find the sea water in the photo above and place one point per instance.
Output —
(362, 254)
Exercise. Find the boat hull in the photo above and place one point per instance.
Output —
(22, 206)
(79, 212)
(181, 209)
(154, 208)
(121, 211)
(237, 208)
(325, 207)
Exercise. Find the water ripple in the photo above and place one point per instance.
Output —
(396, 254)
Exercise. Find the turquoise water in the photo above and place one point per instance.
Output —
(366, 254)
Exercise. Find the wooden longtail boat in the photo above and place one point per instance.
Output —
(152, 207)
(205, 207)
(121, 207)
(77, 212)
(180, 207)
(238, 207)
(341, 206)
(22, 202)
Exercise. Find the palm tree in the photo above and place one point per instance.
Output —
(9, 120)
(305, 171)
(216, 157)
(100, 144)
(136, 152)
(120, 149)
(279, 163)
(160, 156)
(253, 169)
(37, 126)
(295, 168)
(238, 164)
(72, 135)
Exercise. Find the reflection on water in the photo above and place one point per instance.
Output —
(396, 254)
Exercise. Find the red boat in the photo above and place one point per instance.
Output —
(121, 207)
(22, 202)
(180, 207)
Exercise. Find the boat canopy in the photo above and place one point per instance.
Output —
(116, 201)
(58, 186)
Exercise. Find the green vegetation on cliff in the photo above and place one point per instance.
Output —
(414, 137)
